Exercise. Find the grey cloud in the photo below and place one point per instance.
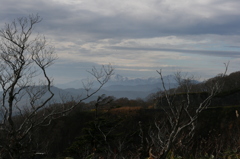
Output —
(62, 20)
(234, 47)
(82, 25)
(200, 52)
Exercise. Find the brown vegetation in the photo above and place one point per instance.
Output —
(125, 110)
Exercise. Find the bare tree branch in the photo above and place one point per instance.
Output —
(24, 60)
(178, 123)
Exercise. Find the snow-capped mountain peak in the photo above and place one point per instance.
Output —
(118, 77)
(121, 80)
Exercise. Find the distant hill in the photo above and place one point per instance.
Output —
(120, 80)
(119, 86)
(228, 92)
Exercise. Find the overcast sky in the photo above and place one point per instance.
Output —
(136, 36)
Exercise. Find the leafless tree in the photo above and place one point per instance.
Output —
(177, 124)
(26, 86)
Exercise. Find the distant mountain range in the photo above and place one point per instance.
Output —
(119, 86)
(120, 80)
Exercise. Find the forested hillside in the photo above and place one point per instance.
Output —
(123, 128)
